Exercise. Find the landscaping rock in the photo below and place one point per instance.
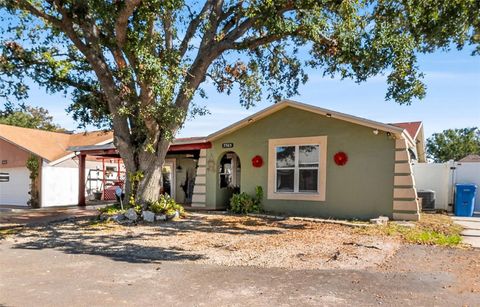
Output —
(118, 217)
(173, 216)
(125, 222)
(148, 216)
(161, 217)
(381, 220)
(131, 214)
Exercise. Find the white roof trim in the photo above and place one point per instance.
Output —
(405, 135)
(302, 106)
(71, 155)
(418, 131)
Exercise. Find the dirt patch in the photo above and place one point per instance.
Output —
(464, 264)
(220, 239)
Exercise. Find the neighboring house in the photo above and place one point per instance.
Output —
(471, 158)
(415, 130)
(309, 161)
(58, 173)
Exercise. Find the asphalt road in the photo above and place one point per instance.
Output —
(52, 277)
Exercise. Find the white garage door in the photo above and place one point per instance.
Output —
(14, 186)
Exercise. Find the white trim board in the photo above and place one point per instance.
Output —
(309, 108)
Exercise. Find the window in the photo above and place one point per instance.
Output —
(4, 177)
(297, 168)
(229, 170)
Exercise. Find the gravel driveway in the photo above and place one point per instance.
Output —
(215, 260)
(219, 239)
(414, 276)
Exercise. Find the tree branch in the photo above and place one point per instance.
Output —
(36, 12)
(192, 27)
(242, 28)
(211, 31)
(167, 28)
(121, 25)
(105, 77)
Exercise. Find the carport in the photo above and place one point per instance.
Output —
(186, 147)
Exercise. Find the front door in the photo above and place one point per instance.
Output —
(168, 173)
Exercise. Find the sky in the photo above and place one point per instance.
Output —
(452, 101)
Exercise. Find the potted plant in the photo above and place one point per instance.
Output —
(97, 195)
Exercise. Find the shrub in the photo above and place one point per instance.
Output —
(165, 205)
(111, 209)
(244, 203)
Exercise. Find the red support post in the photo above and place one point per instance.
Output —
(81, 180)
(103, 179)
(118, 170)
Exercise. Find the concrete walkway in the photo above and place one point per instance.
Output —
(471, 232)
(13, 217)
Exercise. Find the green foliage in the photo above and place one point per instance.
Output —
(111, 209)
(252, 45)
(432, 229)
(165, 205)
(453, 144)
(136, 65)
(28, 117)
(33, 165)
(433, 238)
(244, 203)
(134, 179)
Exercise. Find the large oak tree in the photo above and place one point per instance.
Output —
(135, 65)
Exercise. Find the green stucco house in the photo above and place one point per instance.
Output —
(308, 160)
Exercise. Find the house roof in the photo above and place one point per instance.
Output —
(413, 128)
(471, 158)
(298, 105)
(190, 140)
(110, 145)
(49, 145)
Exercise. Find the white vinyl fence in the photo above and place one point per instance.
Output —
(442, 177)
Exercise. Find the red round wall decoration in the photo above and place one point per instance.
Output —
(257, 161)
(340, 158)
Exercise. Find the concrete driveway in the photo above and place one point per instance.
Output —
(14, 217)
(471, 232)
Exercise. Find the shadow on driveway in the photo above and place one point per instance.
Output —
(72, 239)
(131, 243)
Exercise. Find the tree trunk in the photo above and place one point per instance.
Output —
(149, 187)
(150, 165)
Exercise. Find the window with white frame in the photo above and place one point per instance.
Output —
(297, 168)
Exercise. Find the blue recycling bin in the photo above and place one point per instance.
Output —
(465, 199)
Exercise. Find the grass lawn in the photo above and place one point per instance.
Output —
(432, 229)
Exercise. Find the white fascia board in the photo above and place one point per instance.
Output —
(309, 108)
(71, 155)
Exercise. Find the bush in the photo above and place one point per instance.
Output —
(111, 209)
(244, 203)
(165, 205)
